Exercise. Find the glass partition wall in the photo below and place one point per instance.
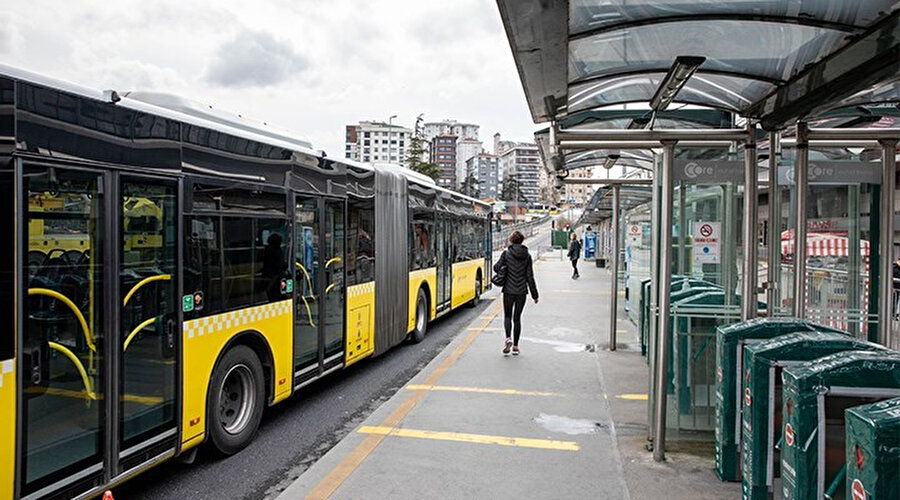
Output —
(842, 237)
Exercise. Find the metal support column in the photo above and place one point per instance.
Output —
(614, 285)
(654, 294)
(853, 262)
(886, 241)
(774, 236)
(665, 279)
(751, 221)
(801, 185)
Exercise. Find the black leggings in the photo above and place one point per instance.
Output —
(575, 266)
(512, 313)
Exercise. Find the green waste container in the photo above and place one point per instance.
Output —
(679, 284)
(816, 394)
(559, 239)
(730, 340)
(761, 413)
(873, 451)
(687, 296)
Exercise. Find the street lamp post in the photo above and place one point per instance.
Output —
(390, 137)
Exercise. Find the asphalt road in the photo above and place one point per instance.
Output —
(297, 432)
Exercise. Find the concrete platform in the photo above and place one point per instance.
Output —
(565, 419)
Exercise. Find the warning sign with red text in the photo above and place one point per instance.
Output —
(706, 242)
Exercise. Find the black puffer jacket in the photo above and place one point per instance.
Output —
(519, 271)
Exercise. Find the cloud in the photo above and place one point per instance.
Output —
(254, 59)
(10, 39)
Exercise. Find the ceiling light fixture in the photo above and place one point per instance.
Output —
(682, 70)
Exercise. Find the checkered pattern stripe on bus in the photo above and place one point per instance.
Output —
(6, 367)
(361, 289)
(226, 321)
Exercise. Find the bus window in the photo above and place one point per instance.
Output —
(361, 242)
(7, 270)
(202, 269)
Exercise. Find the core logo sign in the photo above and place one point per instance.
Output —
(857, 491)
(693, 170)
(789, 434)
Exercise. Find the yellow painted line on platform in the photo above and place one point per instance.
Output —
(450, 388)
(632, 397)
(342, 471)
(544, 444)
(476, 329)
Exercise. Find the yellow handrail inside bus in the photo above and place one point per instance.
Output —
(329, 287)
(158, 277)
(331, 261)
(137, 329)
(88, 386)
(65, 300)
(305, 273)
(302, 297)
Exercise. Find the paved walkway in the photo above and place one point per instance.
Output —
(565, 419)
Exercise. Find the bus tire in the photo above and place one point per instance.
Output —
(420, 326)
(236, 400)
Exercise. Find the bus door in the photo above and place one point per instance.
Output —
(444, 263)
(319, 291)
(149, 322)
(64, 336)
(307, 278)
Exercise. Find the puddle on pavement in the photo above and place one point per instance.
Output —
(566, 425)
(563, 346)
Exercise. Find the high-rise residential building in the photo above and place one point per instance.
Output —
(431, 130)
(376, 142)
(522, 163)
(579, 194)
(484, 169)
(465, 150)
(443, 154)
(468, 144)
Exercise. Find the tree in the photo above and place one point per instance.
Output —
(470, 186)
(416, 151)
(511, 191)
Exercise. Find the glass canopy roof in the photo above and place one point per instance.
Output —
(763, 58)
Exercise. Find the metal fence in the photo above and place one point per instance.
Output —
(499, 239)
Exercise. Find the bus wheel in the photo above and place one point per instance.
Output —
(421, 324)
(236, 400)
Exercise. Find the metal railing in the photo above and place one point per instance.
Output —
(499, 239)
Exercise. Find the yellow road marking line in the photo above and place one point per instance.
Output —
(342, 471)
(451, 388)
(545, 444)
(489, 329)
(632, 397)
(68, 393)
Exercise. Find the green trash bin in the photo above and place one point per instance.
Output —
(761, 413)
(873, 451)
(559, 239)
(689, 297)
(816, 394)
(730, 340)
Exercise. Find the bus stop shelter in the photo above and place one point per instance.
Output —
(782, 72)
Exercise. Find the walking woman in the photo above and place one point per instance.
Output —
(574, 253)
(515, 262)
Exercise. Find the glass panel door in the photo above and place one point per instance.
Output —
(148, 331)
(333, 311)
(306, 267)
(443, 263)
(62, 354)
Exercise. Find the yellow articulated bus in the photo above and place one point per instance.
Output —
(167, 271)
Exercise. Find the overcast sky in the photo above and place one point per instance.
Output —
(311, 66)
